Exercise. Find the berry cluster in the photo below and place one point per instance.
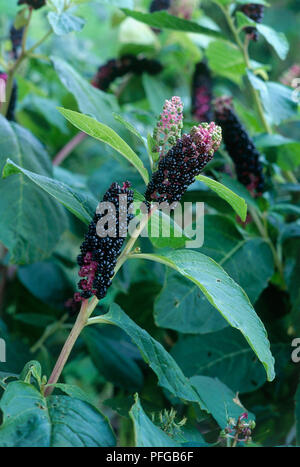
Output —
(182, 8)
(202, 93)
(169, 126)
(158, 5)
(240, 147)
(184, 161)
(99, 254)
(35, 4)
(10, 115)
(291, 76)
(116, 68)
(16, 36)
(255, 12)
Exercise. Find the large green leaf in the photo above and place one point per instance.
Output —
(114, 356)
(90, 100)
(107, 135)
(31, 223)
(163, 20)
(64, 23)
(145, 432)
(31, 420)
(216, 354)
(169, 374)
(276, 39)
(224, 294)
(235, 201)
(80, 205)
(183, 307)
(221, 401)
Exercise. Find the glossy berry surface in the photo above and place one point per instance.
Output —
(202, 93)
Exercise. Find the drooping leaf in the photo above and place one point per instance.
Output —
(107, 135)
(81, 206)
(224, 294)
(29, 419)
(31, 223)
(169, 375)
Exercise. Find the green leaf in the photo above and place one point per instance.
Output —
(81, 206)
(163, 20)
(147, 434)
(159, 227)
(167, 371)
(277, 99)
(221, 401)
(130, 128)
(276, 39)
(183, 307)
(235, 201)
(244, 20)
(216, 354)
(107, 135)
(156, 93)
(225, 295)
(114, 356)
(226, 59)
(31, 420)
(64, 23)
(90, 100)
(30, 222)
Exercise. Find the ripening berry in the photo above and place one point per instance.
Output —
(117, 68)
(202, 93)
(183, 162)
(158, 5)
(99, 255)
(35, 4)
(255, 12)
(240, 147)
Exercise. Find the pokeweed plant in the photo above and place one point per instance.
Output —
(208, 343)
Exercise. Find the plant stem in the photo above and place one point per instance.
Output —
(69, 147)
(67, 348)
(87, 309)
(51, 329)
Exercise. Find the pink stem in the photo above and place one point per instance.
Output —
(69, 147)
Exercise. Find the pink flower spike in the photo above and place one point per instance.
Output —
(169, 126)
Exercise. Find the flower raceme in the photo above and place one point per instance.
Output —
(240, 147)
(255, 12)
(183, 162)
(202, 93)
(102, 243)
(35, 4)
(117, 68)
(169, 126)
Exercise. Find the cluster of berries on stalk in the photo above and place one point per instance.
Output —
(185, 160)
(254, 11)
(240, 147)
(291, 76)
(35, 4)
(117, 68)
(99, 254)
(202, 93)
(240, 430)
(158, 5)
(10, 114)
(16, 37)
(180, 8)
